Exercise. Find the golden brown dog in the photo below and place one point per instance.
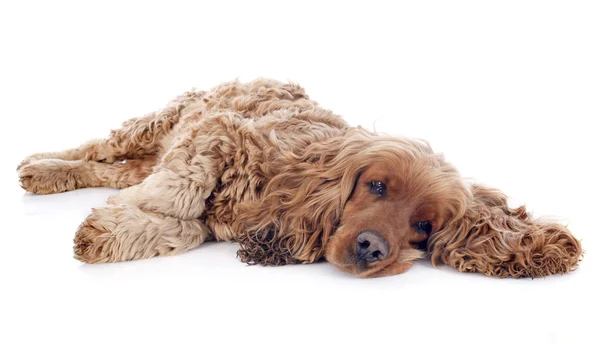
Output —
(262, 164)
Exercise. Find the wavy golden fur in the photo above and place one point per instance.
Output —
(262, 164)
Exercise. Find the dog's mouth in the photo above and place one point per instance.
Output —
(344, 256)
(364, 269)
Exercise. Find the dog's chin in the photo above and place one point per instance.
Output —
(366, 270)
(370, 270)
(344, 259)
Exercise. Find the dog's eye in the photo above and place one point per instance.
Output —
(423, 227)
(377, 188)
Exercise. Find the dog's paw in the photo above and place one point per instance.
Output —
(91, 243)
(23, 163)
(34, 157)
(49, 176)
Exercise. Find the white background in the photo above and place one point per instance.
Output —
(508, 90)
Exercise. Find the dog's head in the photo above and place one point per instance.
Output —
(372, 204)
(402, 194)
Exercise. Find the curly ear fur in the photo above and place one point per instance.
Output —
(496, 240)
(301, 207)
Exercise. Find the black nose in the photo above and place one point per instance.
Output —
(371, 246)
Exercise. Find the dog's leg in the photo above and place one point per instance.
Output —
(137, 137)
(78, 153)
(121, 232)
(48, 176)
(90, 164)
(161, 215)
(158, 217)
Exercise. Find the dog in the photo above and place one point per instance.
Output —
(262, 164)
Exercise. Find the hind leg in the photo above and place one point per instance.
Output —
(71, 154)
(122, 231)
(138, 137)
(155, 218)
(161, 215)
(47, 176)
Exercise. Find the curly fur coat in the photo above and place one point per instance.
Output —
(262, 164)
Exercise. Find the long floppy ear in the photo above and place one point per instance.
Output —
(496, 240)
(301, 206)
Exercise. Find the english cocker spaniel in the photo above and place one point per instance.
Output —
(261, 164)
